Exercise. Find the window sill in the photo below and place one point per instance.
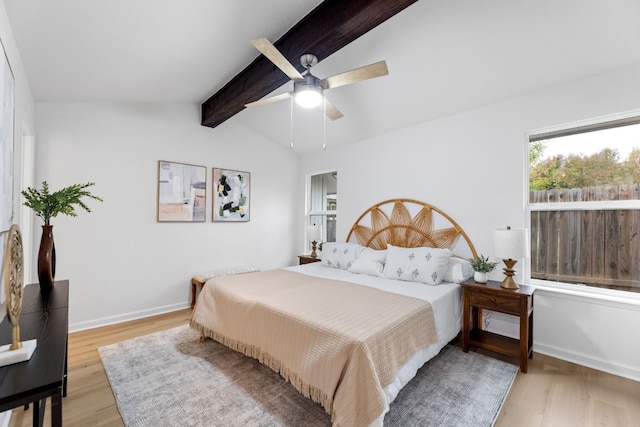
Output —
(583, 291)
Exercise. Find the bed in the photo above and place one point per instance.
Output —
(350, 331)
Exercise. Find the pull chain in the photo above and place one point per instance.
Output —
(291, 124)
(324, 125)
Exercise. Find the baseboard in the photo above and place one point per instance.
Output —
(106, 321)
(589, 361)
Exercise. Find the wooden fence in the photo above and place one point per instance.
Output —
(592, 247)
(586, 194)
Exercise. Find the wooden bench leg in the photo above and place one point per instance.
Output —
(193, 293)
(194, 285)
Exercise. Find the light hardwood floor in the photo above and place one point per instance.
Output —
(552, 393)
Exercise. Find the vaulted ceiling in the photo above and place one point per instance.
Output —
(444, 56)
(332, 25)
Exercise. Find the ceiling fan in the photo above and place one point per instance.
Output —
(308, 90)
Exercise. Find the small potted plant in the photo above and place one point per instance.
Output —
(481, 266)
(48, 205)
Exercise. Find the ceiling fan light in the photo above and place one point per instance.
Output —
(308, 96)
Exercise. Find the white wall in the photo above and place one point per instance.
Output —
(123, 264)
(471, 165)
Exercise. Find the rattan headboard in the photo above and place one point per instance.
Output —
(391, 222)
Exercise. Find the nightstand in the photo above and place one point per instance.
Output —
(307, 259)
(490, 296)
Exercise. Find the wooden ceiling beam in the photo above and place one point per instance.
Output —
(326, 29)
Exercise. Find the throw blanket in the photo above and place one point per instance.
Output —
(336, 342)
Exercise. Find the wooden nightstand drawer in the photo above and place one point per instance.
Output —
(307, 259)
(501, 303)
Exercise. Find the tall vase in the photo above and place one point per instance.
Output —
(46, 259)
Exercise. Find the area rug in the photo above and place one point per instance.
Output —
(170, 379)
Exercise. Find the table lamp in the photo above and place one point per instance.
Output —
(510, 245)
(313, 234)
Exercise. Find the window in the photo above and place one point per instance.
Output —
(323, 199)
(584, 203)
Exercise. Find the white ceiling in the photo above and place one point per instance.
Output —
(444, 56)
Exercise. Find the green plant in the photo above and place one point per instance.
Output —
(48, 205)
(482, 264)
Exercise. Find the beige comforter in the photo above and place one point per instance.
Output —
(337, 342)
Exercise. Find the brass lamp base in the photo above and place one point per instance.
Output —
(313, 249)
(509, 271)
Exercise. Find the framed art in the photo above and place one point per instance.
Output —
(231, 190)
(182, 192)
(7, 84)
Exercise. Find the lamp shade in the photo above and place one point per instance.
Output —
(510, 244)
(313, 232)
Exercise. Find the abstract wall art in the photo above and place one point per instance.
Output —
(7, 83)
(231, 190)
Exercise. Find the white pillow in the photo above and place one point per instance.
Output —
(340, 255)
(458, 271)
(369, 262)
(425, 265)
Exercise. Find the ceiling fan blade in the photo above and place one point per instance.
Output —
(330, 110)
(269, 50)
(267, 101)
(370, 71)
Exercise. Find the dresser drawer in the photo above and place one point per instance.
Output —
(500, 303)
